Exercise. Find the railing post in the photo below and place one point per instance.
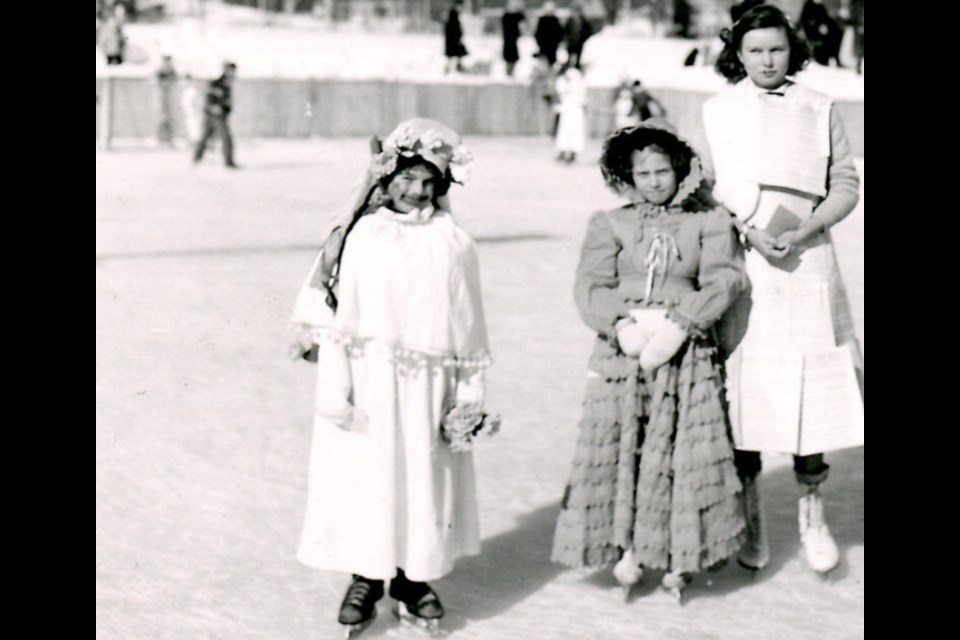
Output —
(106, 112)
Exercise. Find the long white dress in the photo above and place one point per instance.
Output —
(408, 343)
(572, 128)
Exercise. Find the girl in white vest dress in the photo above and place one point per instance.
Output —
(784, 168)
(400, 385)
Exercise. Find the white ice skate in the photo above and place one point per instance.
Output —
(755, 552)
(819, 547)
(628, 572)
(675, 582)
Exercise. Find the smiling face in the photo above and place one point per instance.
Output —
(654, 176)
(412, 188)
(765, 54)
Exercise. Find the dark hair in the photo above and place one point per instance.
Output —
(616, 161)
(738, 10)
(442, 180)
(764, 16)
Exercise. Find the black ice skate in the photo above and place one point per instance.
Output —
(359, 606)
(417, 605)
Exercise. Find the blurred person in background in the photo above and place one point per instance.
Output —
(216, 110)
(191, 105)
(856, 21)
(577, 31)
(512, 23)
(453, 47)
(572, 125)
(111, 38)
(822, 31)
(548, 33)
(645, 106)
(166, 82)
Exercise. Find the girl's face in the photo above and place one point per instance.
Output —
(412, 189)
(653, 176)
(765, 54)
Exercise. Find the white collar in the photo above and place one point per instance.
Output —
(416, 216)
(760, 91)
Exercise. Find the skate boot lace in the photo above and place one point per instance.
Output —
(357, 594)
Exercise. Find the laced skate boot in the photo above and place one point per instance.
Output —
(359, 606)
(755, 552)
(819, 546)
(628, 572)
(417, 604)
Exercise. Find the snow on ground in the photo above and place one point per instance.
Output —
(304, 47)
(203, 425)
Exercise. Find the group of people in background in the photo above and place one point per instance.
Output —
(204, 106)
(550, 34)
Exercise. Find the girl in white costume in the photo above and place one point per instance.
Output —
(400, 381)
(784, 168)
(572, 127)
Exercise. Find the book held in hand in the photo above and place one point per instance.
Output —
(781, 221)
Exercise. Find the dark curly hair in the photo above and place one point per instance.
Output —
(616, 161)
(442, 180)
(764, 16)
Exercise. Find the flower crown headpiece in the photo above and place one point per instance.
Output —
(433, 141)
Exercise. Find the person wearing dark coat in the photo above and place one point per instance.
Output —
(856, 21)
(217, 107)
(453, 47)
(578, 30)
(548, 34)
(510, 23)
(822, 32)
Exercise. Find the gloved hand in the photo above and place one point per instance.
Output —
(303, 346)
(632, 337)
(662, 346)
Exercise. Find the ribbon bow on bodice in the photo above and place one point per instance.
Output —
(662, 250)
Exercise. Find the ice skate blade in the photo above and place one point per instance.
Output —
(674, 585)
(754, 571)
(676, 594)
(827, 575)
(431, 626)
(354, 630)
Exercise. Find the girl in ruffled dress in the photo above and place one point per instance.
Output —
(653, 484)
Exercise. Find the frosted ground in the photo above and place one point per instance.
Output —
(203, 424)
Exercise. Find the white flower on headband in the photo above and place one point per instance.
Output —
(384, 163)
(461, 164)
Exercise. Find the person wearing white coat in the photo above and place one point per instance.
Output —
(400, 384)
(572, 128)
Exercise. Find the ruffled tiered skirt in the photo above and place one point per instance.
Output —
(653, 467)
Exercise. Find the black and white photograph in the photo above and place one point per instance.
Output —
(480, 319)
